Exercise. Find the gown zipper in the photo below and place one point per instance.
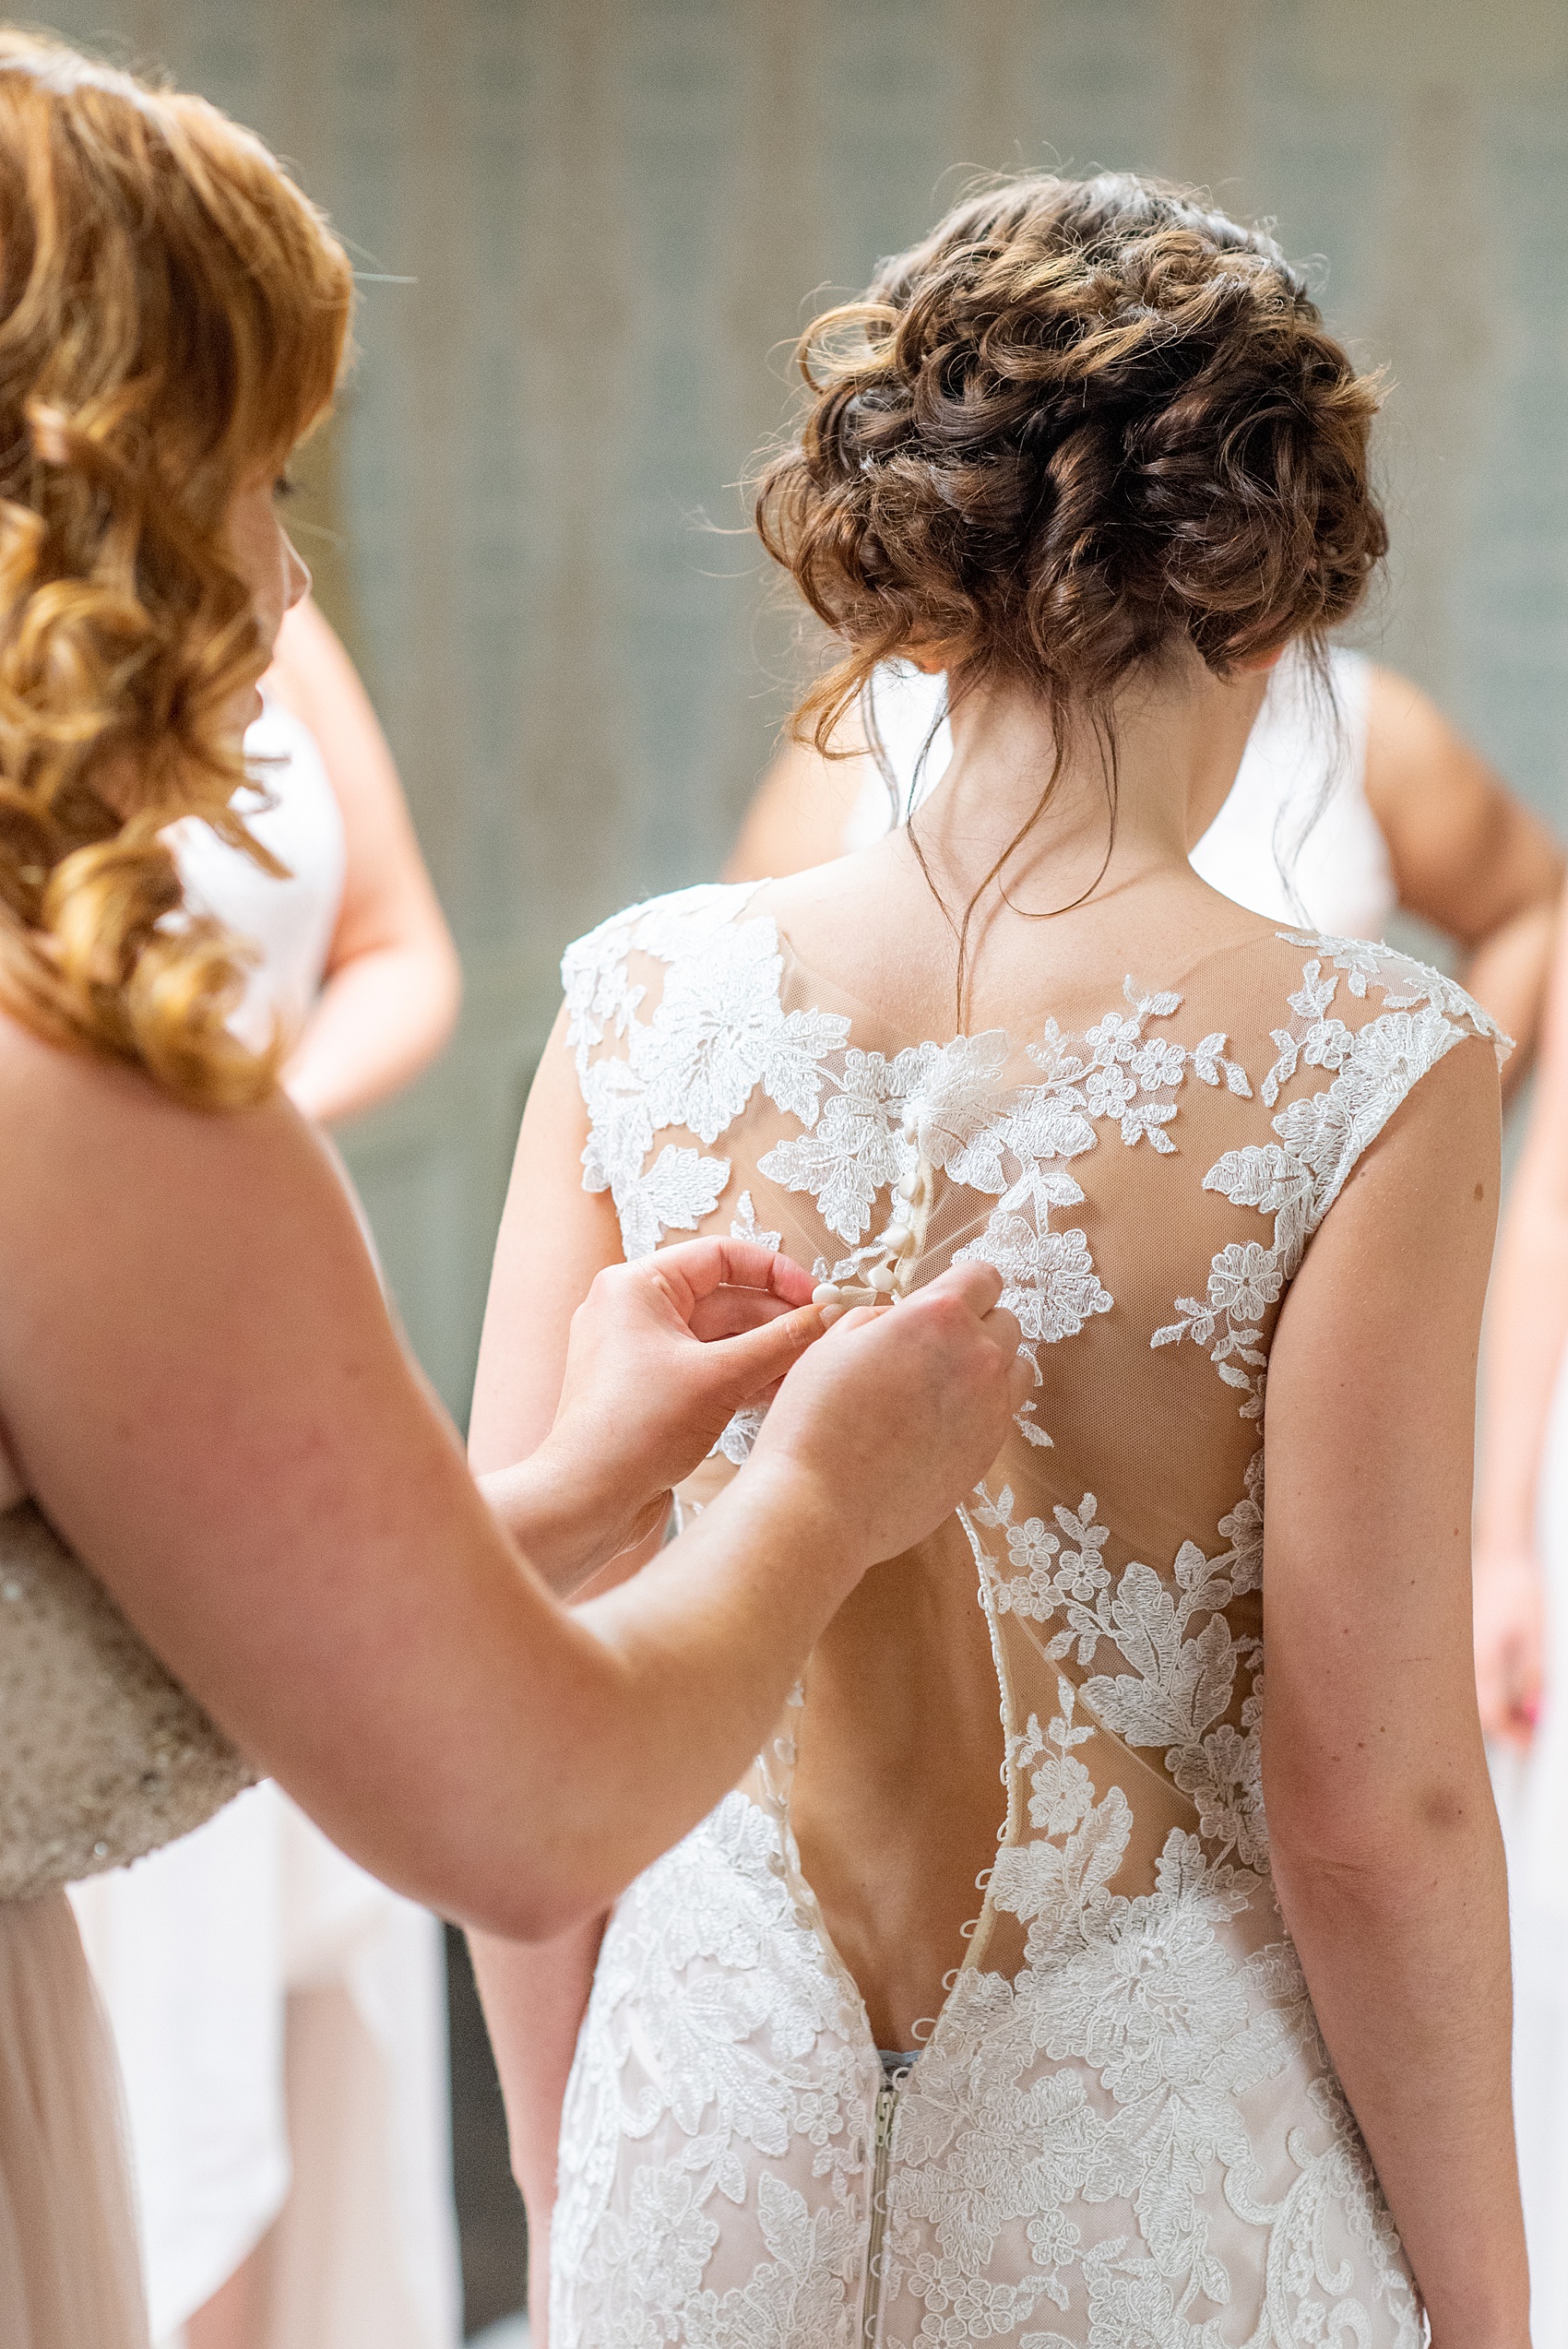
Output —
(871, 2308)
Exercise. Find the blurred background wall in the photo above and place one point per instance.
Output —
(588, 230)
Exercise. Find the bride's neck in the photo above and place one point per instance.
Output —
(1178, 737)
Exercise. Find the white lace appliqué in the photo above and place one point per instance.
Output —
(1118, 1073)
(1296, 1179)
(1180, 1660)
(716, 1033)
(950, 1104)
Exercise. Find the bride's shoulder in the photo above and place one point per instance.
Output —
(605, 974)
(1350, 1029)
(664, 927)
(1355, 982)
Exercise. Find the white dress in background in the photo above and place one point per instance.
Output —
(1123, 2125)
(1532, 1799)
(290, 921)
(339, 2129)
(1298, 805)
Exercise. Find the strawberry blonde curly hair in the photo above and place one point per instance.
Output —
(173, 316)
(1084, 423)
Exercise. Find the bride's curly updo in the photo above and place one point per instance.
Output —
(1084, 423)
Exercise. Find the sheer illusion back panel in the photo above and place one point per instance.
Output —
(1014, 1816)
(897, 1797)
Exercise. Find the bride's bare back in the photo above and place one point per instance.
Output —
(899, 1790)
(1068, 1145)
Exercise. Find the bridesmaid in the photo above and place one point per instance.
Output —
(200, 1386)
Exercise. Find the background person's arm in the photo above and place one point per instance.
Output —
(393, 983)
(798, 813)
(1467, 856)
(1526, 1334)
(1387, 1858)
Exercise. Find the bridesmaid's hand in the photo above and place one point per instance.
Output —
(662, 1353)
(1510, 1626)
(900, 1411)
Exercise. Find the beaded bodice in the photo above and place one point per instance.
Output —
(1122, 2125)
(103, 1756)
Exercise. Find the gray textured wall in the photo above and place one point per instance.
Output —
(613, 211)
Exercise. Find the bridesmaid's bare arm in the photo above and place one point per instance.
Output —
(205, 1392)
(1387, 1857)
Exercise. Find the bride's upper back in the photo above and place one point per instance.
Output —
(1143, 1144)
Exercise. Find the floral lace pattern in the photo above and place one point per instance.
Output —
(1124, 2131)
(1297, 1178)
(719, 1031)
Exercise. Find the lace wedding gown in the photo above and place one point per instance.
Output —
(1122, 2129)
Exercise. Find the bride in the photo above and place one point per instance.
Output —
(991, 2003)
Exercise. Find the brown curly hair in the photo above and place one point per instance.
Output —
(1085, 422)
(173, 315)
